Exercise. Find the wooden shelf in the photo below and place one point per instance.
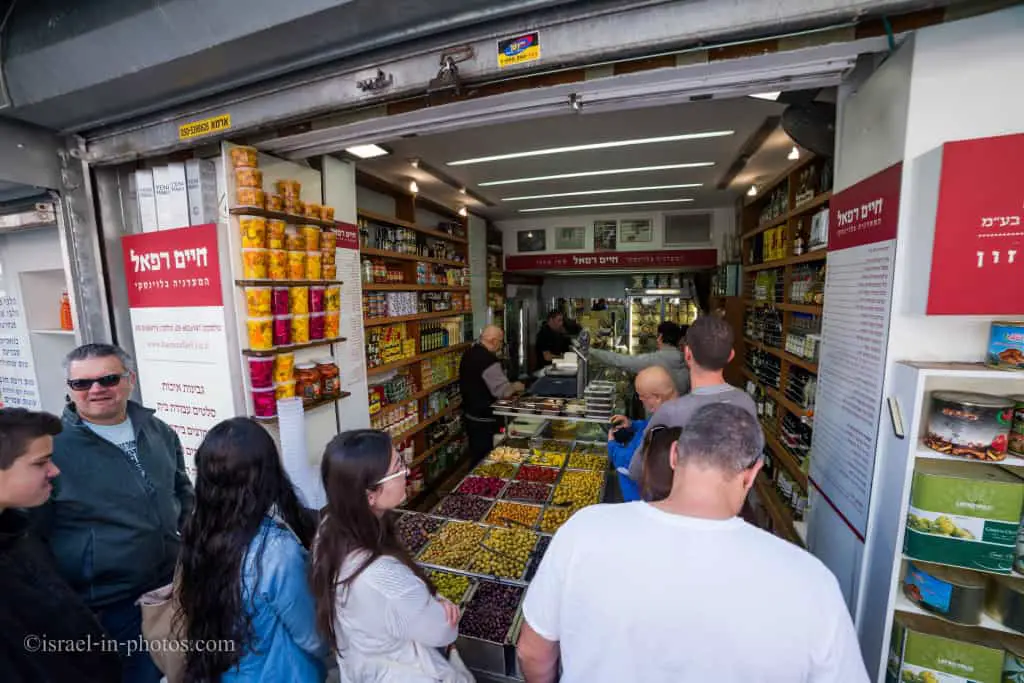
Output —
(813, 309)
(396, 256)
(290, 218)
(786, 403)
(308, 406)
(799, 210)
(778, 511)
(377, 322)
(785, 458)
(420, 395)
(380, 369)
(410, 287)
(287, 283)
(398, 223)
(431, 488)
(819, 255)
(426, 423)
(783, 355)
(416, 461)
(292, 347)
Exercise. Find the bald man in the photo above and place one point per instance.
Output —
(655, 386)
(482, 382)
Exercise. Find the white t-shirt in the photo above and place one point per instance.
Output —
(633, 593)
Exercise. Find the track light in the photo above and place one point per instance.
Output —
(794, 154)
(752, 192)
(413, 187)
(463, 211)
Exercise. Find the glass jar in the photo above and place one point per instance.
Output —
(307, 379)
(330, 378)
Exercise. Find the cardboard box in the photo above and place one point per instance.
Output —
(171, 196)
(145, 198)
(201, 182)
(964, 515)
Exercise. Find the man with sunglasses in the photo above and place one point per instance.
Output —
(112, 522)
(707, 590)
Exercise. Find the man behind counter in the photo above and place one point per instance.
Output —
(552, 340)
(482, 382)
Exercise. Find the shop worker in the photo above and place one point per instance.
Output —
(482, 382)
(696, 616)
(37, 603)
(552, 340)
(667, 356)
(655, 387)
(114, 518)
(709, 343)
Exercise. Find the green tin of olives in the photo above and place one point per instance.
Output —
(964, 515)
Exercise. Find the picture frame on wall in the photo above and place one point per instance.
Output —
(606, 235)
(570, 238)
(531, 240)
(636, 231)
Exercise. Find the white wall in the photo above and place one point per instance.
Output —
(723, 223)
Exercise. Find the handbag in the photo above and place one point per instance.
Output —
(163, 630)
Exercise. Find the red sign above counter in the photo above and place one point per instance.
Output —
(624, 260)
(978, 250)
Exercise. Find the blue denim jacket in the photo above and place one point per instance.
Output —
(286, 645)
(620, 456)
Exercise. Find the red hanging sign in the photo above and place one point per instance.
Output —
(978, 250)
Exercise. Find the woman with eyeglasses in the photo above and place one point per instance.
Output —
(382, 613)
(244, 569)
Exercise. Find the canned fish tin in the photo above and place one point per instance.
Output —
(975, 426)
(1016, 445)
(1006, 345)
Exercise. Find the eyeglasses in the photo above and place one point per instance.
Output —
(104, 381)
(403, 471)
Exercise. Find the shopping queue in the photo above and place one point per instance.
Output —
(668, 355)
(269, 590)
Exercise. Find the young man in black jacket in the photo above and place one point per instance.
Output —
(46, 633)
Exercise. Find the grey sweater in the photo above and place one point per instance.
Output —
(667, 357)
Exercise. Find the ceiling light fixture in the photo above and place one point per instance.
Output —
(413, 187)
(588, 174)
(770, 96)
(595, 206)
(414, 162)
(752, 192)
(608, 191)
(794, 154)
(367, 151)
(463, 211)
(595, 145)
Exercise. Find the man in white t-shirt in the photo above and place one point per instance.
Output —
(711, 599)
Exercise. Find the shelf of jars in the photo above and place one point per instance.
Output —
(784, 246)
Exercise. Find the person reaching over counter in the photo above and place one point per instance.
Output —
(696, 616)
(655, 387)
(382, 613)
(667, 356)
(482, 382)
(552, 340)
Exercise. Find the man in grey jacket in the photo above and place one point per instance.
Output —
(122, 496)
(667, 356)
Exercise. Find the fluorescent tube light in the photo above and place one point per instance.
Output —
(608, 191)
(594, 145)
(770, 96)
(596, 206)
(588, 174)
(367, 151)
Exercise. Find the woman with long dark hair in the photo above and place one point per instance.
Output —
(656, 481)
(244, 570)
(382, 613)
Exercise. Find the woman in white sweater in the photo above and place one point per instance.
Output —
(379, 608)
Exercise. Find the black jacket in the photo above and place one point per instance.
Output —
(39, 614)
(114, 535)
(476, 397)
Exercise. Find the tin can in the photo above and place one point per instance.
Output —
(1016, 445)
(975, 426)
(1006, 345)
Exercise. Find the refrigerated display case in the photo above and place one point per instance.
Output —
(647, 308)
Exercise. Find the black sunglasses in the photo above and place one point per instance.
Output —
(104, 381)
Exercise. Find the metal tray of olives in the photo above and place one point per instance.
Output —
(490, 656)
(478, 495)
(435, 510)
(418, 558)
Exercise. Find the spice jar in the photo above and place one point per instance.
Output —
(317, 325)
(279, 301)
(298, 300)
(289, 188)
(294, 240)
(260, 333)
(255, 264)
(263, 402)
(278, 264)
(307, 379)
(332, 298)
(314, 265)
(261, 372)
(296, 265)
(275, 202)
(329, 271)
(249, 196)
(310, 237)
(332, 325)
(284, 367)
(275, 234)
(328, 241)
(317, 299)
(249, 177)
(244, 157)
(257, 302)
(300, 329)
(282, 330)
(330, 378)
